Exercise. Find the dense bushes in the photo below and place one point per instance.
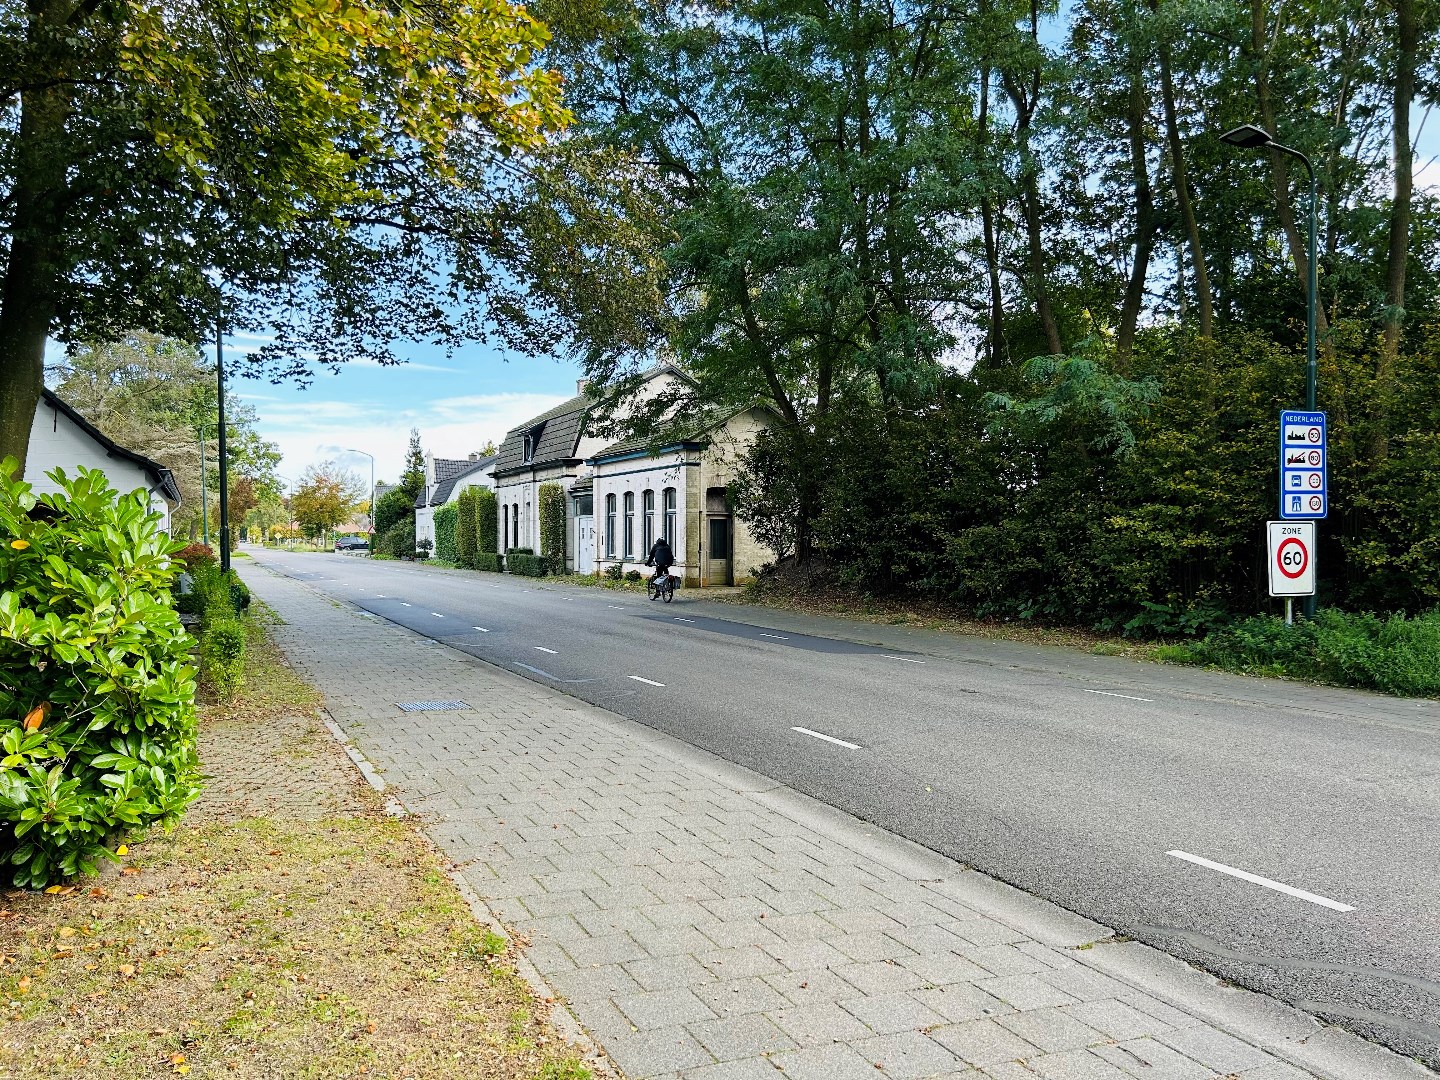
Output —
(445, 533)
(525, 564)
(1083, 491)
(487, 520)
(465, 528)
(392, 508)
(399, 542)
(488, 560)
(552, 526)
(221, 597)
(1398, 655)
(97, 692)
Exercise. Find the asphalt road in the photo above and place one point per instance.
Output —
(1093, 782)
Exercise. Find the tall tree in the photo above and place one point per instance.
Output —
(343, 173)
(326, 496)
(412, 478)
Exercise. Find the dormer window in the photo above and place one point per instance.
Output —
(532, 442)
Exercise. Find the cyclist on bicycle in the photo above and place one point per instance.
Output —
(662, 558)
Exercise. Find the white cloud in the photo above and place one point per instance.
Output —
(1428, 175)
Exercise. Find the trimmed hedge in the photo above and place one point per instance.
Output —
(465, 529)
(552, 526)
(445, 533)
(525, 564)
(487, 520)
(97, 687)
(488, 560)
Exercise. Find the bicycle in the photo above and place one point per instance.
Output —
(662, 586)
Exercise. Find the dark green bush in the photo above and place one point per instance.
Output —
(97, 690)
(488, 560)
(392, 508)
(525, 564)
(222, 655)
(465, 529)
(399, 542)
(1396, 655)
(552, 526)
(634, 575)
(614, 572)
(487, 520)
(445, 533)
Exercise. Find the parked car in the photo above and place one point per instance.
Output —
(351, 543)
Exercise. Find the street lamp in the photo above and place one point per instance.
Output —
(1250, 137)
(372, 486)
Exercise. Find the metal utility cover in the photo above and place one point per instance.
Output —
(430, 706)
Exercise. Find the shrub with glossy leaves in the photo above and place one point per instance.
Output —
(97, 691)
(445, 533)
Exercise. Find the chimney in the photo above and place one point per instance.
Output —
(581, 385)
(474, 455)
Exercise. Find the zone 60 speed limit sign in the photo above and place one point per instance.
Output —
(1292, 557)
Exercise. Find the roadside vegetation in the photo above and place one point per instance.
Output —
(287, 926)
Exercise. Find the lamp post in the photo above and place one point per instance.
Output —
(220, 433)
(372, 486)
(1250, 137)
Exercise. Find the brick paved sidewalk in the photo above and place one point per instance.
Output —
(703, 922)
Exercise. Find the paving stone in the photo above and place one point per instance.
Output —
(942, 969)
(664, 972)
(1075, 1065)
(649, 1054)
(739, 997)
(811, 987)
(1025, 992)
(602, 1019)
(1050, 1029)
(1116, 1019)
(982, 1042)
(870, 946)
(961, 1002)
(741, 1037)
(1154, 1061)
(1003, 960)
(814, 1025)
(1215, 1049)
(589, 984)
(880, 977)
(807, 955)
(908, 1055)
(662, 1008)
(825, 1063)
(609, 949)
(888, 1013)
(748, 1069)
(740, 963)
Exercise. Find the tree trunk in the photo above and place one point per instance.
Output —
(1144, 220)
(1182, 192)
(987, 219)
(28, 302)
(1406, 43)
(1030, 206)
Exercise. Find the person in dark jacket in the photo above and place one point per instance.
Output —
(660, 557)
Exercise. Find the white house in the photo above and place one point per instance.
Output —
(445, 478)
(553, 448)
(679, 490)
(61, 437)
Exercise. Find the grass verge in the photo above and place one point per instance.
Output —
(287, 928)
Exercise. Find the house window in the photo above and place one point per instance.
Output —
(629, 524)
(505, 536)
(670, 517)
(647, 501)
(529, 449)
(609, 526)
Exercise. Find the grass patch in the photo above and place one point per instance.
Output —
(287, 927)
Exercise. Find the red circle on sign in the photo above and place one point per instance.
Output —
(1316, 502)
(1314, 457)
(1285, 545)
(1314, 434)
(1315, 480)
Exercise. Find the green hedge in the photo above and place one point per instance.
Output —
(445, 533)
(488, 560)
(526, 564)
(552, 526)
(487, 520)
(391, 508)
(465, 529)
(399, 542)
(1396, 655)
(97, 688)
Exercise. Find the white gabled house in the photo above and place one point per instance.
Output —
(445, 478)
(61, 437)
(679, 490)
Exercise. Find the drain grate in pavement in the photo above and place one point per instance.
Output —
(430, 706)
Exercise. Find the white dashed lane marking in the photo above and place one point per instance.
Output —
(647, 682)
(827, 738)
(1288, 890)
(1127, 697)
(541, 648)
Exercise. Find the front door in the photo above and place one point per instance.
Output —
(585, 544)
(717, 551)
